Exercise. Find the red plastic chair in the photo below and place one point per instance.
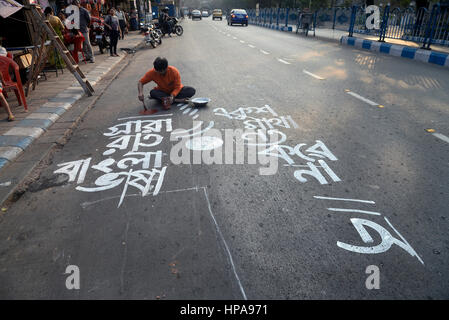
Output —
(8, 84)
(77, 42)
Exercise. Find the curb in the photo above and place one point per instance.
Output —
(18, 138)
(273, 26)
(428, 56)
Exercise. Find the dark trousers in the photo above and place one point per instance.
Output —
(122, 27)
(133, 23)
(186, 92)
(113, 35)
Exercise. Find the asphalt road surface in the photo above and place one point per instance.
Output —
(356, 119)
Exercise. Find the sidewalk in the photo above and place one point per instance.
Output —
(335, 34)
(51, 99)
(438, 55)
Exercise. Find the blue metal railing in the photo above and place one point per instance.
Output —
(422, 26)
(332, 18)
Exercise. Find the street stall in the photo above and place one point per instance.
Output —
(35, 42)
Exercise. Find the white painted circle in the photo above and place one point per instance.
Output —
(204, 143)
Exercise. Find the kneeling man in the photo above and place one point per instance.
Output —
(169, 87)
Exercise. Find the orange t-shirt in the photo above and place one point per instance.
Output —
(169, 83)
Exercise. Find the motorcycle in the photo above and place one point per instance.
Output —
(152, 37)
(171, 26)
(97, 35)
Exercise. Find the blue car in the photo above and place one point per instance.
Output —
(238, 16)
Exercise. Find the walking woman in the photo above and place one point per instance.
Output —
(112, 23)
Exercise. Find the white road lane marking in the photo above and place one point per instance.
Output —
(283, 61)
(152, 116)
(312, 75)
(362, 98)
(251, 46)
(354, 210)
(264, 52)
(441, 136)
(344, 199)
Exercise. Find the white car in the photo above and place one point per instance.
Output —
(196, 14)
(205, 14)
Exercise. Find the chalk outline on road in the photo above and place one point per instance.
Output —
(152, 116)
(84, 205)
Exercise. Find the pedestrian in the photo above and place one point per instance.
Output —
(84, 29)
(169, 87)
(133, 19)
(3, 101)
(53, 56)
(112, 23)
(122, 21)
(62, 16)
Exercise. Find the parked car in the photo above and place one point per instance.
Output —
(196, 14)
(217, 14)
(205, 14)
(238, 16)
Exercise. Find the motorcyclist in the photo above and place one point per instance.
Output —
(164, 21)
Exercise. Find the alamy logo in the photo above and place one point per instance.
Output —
(373, 281)
(373, 20)
(73, 17)
(73, 280)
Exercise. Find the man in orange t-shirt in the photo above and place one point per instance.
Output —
(169, 86)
